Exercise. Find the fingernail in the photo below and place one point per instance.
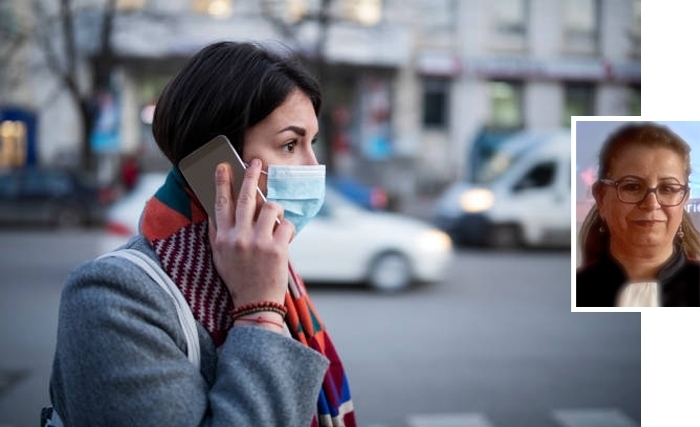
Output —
(220, 169)
(256, 163)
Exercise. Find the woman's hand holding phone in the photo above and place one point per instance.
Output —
(250, 252)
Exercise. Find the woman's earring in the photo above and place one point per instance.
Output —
(602, 228)
(680, 232)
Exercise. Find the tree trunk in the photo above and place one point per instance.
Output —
(321, 63)
(87, 119)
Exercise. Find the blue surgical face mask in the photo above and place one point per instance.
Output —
(299, 189)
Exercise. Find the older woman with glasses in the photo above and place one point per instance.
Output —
(639, 245)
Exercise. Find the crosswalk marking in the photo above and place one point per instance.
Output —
(593, 418)
(589, 417)
(448, 420)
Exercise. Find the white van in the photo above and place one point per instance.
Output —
(521, 195)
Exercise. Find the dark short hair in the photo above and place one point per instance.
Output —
(226, 88)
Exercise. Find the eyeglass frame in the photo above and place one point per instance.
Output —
(654, 190)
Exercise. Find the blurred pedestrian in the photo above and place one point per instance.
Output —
(129, 172)
(266, 358)
(640, 248)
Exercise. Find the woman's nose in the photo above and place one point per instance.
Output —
(650, 201)
(310, 157)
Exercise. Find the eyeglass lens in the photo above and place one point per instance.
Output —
(632, 191)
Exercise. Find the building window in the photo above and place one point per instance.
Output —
(9, 24)
(435, 102)
(130, 5)
(13, 143)
(363, 12)
(581, 26)
(635, 100)
(438, 23)
(579, 101)
(509, 21)
(636, 29)
(220, 9)
(506, 105)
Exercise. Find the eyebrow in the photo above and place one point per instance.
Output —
(642, 179)
(296, 129)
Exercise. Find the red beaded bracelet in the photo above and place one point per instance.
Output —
(259, 306)
(241, 313)
(259, 319)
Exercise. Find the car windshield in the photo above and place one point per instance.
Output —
(494, 167)
(506, 156)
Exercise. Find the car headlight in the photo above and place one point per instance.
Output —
(476, 200)
(434, 241)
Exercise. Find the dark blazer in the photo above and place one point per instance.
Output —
(598, 284)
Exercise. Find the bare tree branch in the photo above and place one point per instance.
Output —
(317, 55)
(104, 60)
(56, 39)
(287, 30)
(66, 15)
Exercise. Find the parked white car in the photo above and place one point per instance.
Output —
(122, 218)
(345, 243)
(522, 195)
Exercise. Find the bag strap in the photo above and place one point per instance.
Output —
(184, 313)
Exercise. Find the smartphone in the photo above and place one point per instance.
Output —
(199, 170)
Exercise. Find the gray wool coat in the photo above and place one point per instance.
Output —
(121, 360)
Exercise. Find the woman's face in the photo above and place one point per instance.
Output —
(646, 224)
(285, 136)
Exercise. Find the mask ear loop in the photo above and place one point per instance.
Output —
(246, 164)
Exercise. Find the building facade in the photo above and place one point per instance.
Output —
(515, 64)
(411, 85)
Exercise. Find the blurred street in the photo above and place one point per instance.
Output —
(494, 346)
(421, 97)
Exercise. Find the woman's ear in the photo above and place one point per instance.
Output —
(597, 191)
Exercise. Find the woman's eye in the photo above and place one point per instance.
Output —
(670, 189)
(630, 186)
(289, 146)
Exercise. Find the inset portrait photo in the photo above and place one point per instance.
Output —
(636, 214)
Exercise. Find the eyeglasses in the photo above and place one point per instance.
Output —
(635, 191)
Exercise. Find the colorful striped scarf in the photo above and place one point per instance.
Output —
(176, 226)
